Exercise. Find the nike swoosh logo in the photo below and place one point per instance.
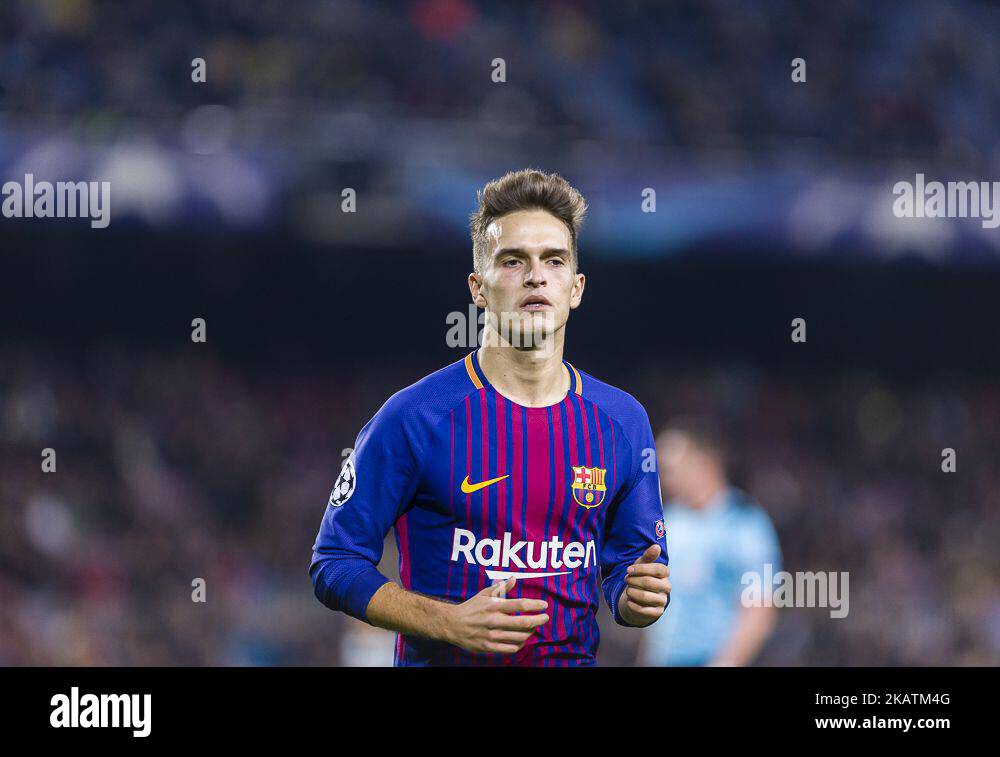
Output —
(497, 575)
(468, 488)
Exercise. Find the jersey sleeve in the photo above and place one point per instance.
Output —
(374, 488)
(636, 521)
(756, 543)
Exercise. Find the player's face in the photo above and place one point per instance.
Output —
(529, 283)
(682, 467)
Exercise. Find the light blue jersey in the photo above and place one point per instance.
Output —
(710, 550)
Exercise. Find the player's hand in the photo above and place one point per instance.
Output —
(647, 589)
(487, 623)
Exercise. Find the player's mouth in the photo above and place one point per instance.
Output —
(535, 302)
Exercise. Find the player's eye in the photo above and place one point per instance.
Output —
(557, 261)
(509, 262)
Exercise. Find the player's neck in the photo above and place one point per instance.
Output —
(711, 494)
(532, 378)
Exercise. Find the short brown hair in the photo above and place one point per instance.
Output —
(704, 433)
(526, 189)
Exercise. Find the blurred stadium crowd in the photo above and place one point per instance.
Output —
(177, 466)
(395, 100)
(885, 78)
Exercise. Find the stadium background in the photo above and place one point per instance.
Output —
(179, 460)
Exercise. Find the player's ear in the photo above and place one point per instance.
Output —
(577, 294)
(476, 289)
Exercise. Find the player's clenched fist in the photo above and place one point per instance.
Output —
(487, 623)
(647, 589)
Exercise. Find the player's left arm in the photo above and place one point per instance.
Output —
(634, 559)
(756, 548)
(647, 589)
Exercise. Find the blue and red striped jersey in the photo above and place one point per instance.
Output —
(480, 488)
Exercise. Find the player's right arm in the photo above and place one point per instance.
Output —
(385, 472)
(484, 623)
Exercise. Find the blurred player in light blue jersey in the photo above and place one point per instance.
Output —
(716, 534)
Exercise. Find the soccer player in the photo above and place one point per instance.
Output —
(718, 535)
(516, 483)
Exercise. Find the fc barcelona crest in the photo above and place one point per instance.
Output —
(588, 486)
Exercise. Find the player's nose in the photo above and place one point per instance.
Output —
(535, 274)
